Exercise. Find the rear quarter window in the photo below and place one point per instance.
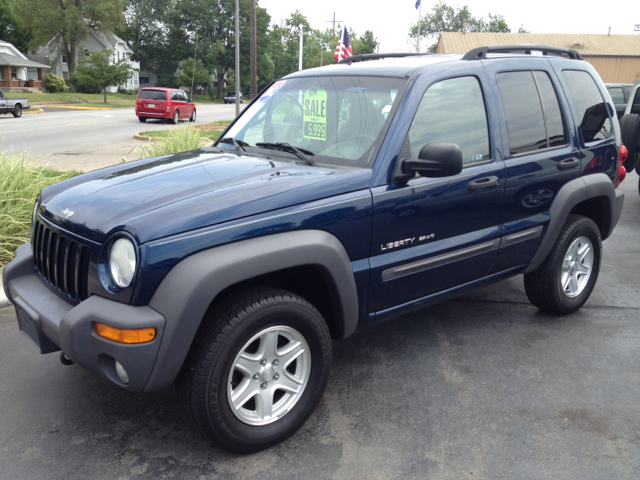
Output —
(590, 107)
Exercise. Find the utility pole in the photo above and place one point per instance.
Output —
(334, 24)
(237, 57)
(254, 48)
(300, 56)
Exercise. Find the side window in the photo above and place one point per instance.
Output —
(590, 106)
(452, 111)
(175, 96)
(532, 110)
(616, 94)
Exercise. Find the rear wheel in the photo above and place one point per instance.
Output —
(629, 128)
(17, 111)
(566, 278)
(176, 117)
(257, 370)
(142, 119)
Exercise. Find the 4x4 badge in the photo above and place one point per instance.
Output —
(67, 213)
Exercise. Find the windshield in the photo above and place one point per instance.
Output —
(337, 119)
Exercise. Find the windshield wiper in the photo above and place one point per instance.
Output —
(287, 147)
(239, 144)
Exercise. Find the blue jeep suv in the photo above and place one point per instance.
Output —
(343, 196)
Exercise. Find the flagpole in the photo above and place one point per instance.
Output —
(419, 25)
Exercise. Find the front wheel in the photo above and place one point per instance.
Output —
(17, 111)
(193, 116)
(258, 370)
(566, 278)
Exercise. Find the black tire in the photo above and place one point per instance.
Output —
(207, 373)
(176, 117)
(142, 119)
(17, 110)
(630, 128)
(544, 286)
(193, 116)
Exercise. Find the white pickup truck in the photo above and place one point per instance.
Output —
(13, 105)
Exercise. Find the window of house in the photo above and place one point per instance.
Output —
(1, 73)
(144, 80)
(64, 59)
(118, 56)
(86, 52)
(13, 73)
(532, 110)
(65, 75)
(589, 104)
(453, 111)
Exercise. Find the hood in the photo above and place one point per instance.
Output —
(159, 197)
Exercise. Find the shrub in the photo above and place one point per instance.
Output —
(54, 84)
(20, 183)
(84, 84)
(177, 140)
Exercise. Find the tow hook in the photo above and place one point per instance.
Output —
(65, 360)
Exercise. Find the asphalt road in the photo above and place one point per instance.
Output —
(87, 139)
(480, 387)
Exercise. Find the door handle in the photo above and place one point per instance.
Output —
(568, 163)
(484, 183)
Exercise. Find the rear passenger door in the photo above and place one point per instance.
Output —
(540, 153)
(434, 234)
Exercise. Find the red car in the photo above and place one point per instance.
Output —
(158, 102)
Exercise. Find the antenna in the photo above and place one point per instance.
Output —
(193, 77)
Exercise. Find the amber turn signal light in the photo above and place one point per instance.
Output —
(120, 335)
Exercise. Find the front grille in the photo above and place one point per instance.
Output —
(62, 262)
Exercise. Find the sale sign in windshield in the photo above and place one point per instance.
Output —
(315, 114)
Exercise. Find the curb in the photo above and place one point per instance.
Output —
(33, 110)
(79, 108)
(4, 301)
(137, 136)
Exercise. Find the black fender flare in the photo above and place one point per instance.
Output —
(571, 194)
(186, 292)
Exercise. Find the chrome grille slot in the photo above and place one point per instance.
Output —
(62, 262)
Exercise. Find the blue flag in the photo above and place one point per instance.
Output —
(417, 4)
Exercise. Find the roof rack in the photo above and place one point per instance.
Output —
(375, 56)
(481, 52)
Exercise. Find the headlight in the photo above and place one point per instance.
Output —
(122, 261)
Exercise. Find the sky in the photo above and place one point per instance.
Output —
(390, 21)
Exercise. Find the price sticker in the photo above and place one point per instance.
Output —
(315, 114)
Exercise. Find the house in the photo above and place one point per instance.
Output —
(52, 53)
(17, 71)
(616, 58)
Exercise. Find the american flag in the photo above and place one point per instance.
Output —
(343, 49)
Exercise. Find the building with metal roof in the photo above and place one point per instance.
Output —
(615, 57)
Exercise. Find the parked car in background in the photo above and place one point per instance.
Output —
(13, 105)
(169, 103)
(230, 97)
(620, 93)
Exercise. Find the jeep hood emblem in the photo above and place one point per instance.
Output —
(67, 213)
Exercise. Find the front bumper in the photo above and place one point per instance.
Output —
(52, 324)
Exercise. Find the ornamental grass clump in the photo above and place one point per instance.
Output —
(177, 140)
(20, 183)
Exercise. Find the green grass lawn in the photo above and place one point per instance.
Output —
(72, 97)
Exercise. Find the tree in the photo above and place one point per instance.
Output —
(10, 29)
(185, 74)
(71, 20)
(444, 18)
(99, 69)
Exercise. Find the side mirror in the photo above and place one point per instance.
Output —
(436, 160)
